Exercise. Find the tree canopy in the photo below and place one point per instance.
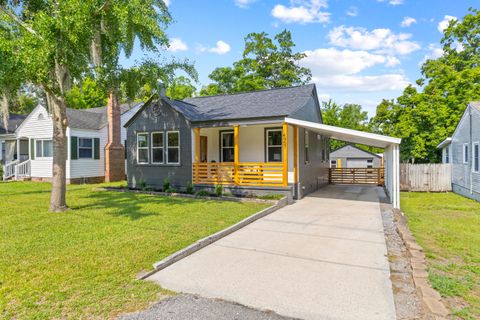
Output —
(424, 116)
(266, 63)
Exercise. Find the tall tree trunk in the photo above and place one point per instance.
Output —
(60, 122)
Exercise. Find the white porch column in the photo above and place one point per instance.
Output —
(18, 149)
(396, 173)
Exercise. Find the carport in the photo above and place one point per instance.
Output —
(390, 145)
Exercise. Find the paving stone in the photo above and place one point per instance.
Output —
(420, 273)
(414, 246)
(417, 254)
(435, 306)
(428, 291)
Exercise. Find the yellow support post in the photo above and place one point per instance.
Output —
(236, 155)
(285, 153)
(197, 153)
(295, 154)
(339, 163)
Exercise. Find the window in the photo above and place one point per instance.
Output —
(44, 149)
(306, 146)
(85, 148)
(274, 145)
(447, 154)
(369, 163)
(226, 146)
(142, 148)
(465, 153)
(475, 155)
(173, 147)
(157, 147)
(333, 163)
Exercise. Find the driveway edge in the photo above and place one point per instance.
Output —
(202, 243)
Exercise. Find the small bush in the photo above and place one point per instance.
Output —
(171, 190)
(202, 193)
(190, 189)
(219, 190)
(143, 185)
(166, 185)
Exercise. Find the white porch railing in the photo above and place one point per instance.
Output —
(22, 170)
(9, 170)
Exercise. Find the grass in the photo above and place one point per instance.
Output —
(83, 263)
(447, 226)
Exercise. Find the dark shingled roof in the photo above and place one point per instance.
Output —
(278, 102)
(14, 120)
(94, 118)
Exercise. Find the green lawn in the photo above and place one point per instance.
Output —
(447, 226)
(83, 263)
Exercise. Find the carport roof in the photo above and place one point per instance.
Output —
(349, 135)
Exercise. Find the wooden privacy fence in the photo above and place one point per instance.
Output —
(357, 176)
(434, 177)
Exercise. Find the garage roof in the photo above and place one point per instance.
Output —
(348, 135)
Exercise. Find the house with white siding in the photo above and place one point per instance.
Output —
(91, 135)
(462, 152)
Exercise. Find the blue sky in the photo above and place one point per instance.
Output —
(359, 51)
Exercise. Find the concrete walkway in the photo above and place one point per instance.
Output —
(323, 257)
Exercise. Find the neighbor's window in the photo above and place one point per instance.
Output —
(227, 146)
(476, 150)
(447, 154)
(333, 163)
(369, 163)
(173, 147)
(274, 145)
(142, 148)
(306, 147)
(465, 153)
(44, 149)
(157, 147)
(85, 148)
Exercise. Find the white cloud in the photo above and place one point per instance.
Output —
(302, 11)
(221, 48)
(167, 2)
(442, 25)
(393, 2)
(243, 3)
(434, 52)
(382, 40)
(352, 12)
(358, 83)
(330, 61)
(408, 21)
(177, 44)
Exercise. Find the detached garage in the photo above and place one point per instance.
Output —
(350, 156)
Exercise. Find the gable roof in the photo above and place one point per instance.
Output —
(93, 118)
(278, 102)
(14, 121)
(357, 148)
(476, 105)
(444, 143)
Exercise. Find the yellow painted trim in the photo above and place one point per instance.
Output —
(339, 163)
(197, 144)
(285, 153)
(236, 155)
(295, 154)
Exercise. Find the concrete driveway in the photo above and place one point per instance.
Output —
(323, 257)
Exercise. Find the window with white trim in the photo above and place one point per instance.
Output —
(142, 148)
(274, 145)
(306, 147)
(447, 154)
(157, 147)
(333, 163)
(227, 148)
(475, 157)
(369, 163)
(465, 153)
(85, 148)
(173, 147)
(44, 149)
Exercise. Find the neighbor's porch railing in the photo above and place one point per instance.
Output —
(267, 174)
(357, 176)
(9, 169)
(22, 169)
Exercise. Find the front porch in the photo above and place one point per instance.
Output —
(15, 158)
(255, 155)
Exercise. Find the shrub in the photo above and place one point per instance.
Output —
(202, 193)
(190, 189)
(166, 184)
(143, 185)
(171, 190)
(219, 190)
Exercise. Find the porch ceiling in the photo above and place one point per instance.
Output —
(348, 135)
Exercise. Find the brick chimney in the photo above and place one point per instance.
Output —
(114, 150)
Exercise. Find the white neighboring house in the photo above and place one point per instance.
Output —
(30, 149)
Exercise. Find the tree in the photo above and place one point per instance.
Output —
(86, 94)
(425, 118)
(266, 63)
(350, 116)
(181, 88)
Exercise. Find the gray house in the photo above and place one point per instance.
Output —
(350, 156)
(462, 151)
(240, 141)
